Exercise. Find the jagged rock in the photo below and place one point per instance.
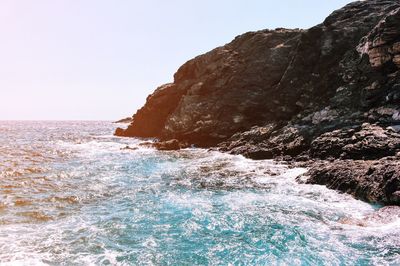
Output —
(365, 142)
(383, 43)
(374, 181)
(265, 143)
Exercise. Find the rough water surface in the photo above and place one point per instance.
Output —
(72, 194)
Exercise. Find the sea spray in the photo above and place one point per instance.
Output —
(71, 193)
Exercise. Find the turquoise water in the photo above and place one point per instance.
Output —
(70, 194)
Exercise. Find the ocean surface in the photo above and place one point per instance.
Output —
(71, 194)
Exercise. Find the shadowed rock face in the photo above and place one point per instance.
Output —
(219, 93)
(329, 92)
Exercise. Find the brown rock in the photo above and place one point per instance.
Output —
(374, 181)
(365, 142)
(169, 145)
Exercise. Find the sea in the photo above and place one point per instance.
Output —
(71, 193)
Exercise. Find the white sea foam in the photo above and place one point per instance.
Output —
(95, 202)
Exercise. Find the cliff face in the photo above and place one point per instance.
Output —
(329, 92)
(219, 93)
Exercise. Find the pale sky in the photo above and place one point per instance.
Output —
(99, 59)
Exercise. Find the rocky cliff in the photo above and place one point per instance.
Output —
(331, 92)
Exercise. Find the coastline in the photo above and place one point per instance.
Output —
(327, 97)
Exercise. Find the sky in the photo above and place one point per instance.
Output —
(99, 59)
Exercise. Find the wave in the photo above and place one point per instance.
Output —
(85, 198)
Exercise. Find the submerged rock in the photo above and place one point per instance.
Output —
(382, 216)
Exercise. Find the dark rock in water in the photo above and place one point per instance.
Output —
(374, 181)
(127, 147)
(125, 120)
(167, 145)
(119, 132)
(329, 92)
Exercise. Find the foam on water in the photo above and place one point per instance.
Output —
(72, 194)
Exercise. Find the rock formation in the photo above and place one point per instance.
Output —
(331, 92)
(370, 180)
(219, 93)
(124, 120)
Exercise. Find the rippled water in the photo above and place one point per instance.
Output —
(70, 194)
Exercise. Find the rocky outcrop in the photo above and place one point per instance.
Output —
(329, 92)
(125, 120)
(366, 142)
(375, 181)
(267, 143)
(149, 121)
(219, 93)
(169, 145)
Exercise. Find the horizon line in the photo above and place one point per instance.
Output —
(56, 120)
